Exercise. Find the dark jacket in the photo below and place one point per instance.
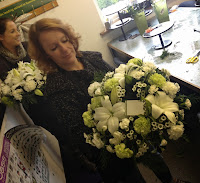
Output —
(66, 98)
(6, 66)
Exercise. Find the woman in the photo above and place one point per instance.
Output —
(11, 50)
(69, 73)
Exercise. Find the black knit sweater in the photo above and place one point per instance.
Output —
(60, 112)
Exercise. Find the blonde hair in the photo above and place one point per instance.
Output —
(35, 49)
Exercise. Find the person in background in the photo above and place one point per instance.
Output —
(11, 51)
(55, 46)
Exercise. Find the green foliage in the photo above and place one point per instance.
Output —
(165, 54)
(98, 76)
(105, 3)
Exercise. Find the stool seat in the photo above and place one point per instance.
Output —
(188, 4)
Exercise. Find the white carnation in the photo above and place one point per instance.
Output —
(97, 141)
(6, 90)
(171, 88)
(124, 124)
(17, 94)
(188, 103)
(30, 85)
(118, 137)
(153, 89)
(148, 67)
(181, 112)
(110, 149)
(136, 74)
(92, 88)
(176, 131)
(98, 91)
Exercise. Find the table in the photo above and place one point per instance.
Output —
(185, 44)
(158, 30)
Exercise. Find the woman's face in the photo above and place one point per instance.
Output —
(11, 36)
(57, 46)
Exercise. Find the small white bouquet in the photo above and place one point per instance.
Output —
(22, 84)
(133, 109)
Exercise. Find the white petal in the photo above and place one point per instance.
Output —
(119, 110)
(170, 116)
(113, 124)
(156, 111)
(101, 124)
(151, 98)
(106, 103)
(101, 113)
(122, 82)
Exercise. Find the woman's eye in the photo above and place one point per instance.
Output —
(54, 48)
(66, 40)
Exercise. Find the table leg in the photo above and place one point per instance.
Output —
(163, 44)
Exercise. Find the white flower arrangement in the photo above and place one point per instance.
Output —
(133, 109)
(22, 84)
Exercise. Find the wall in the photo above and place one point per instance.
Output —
(84, 17)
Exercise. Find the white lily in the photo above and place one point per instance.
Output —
(163, 104)
(108, 115)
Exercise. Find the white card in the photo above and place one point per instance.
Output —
(134, 107)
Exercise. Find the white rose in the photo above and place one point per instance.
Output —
(92, 88)
(30, 85)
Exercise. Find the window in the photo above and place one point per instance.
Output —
(109, 7)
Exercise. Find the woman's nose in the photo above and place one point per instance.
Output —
(64, 48)
(18, 33)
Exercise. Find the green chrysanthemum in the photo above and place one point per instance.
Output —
(157, 79)
(96, 102)
(136, 61)
(123, 152)
(88, 119)
(110, 84)
(7, 101)
(142, 126)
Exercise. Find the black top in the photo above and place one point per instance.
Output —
(60, 112)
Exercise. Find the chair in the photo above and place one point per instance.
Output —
(190, 4)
